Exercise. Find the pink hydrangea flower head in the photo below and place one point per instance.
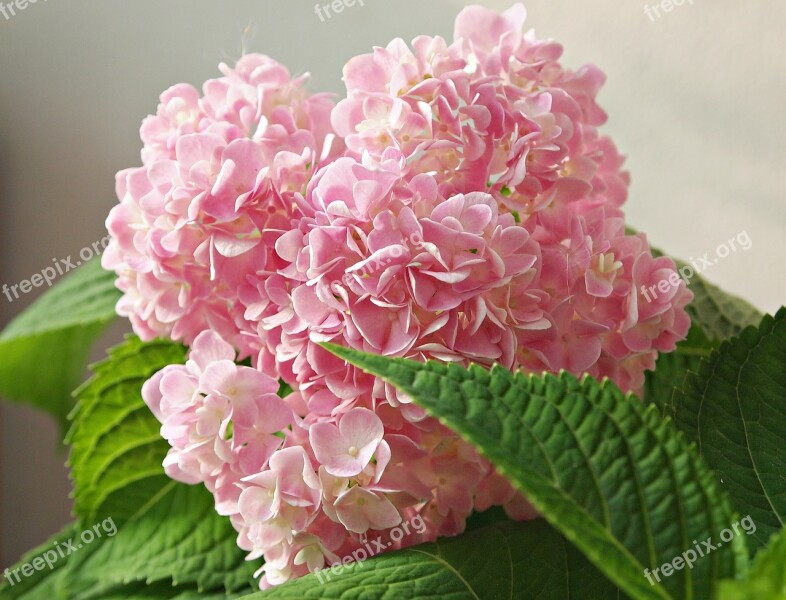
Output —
(216, 189)
(466, 209)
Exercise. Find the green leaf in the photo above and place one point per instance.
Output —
(611, 475)
(48, 585)
(506, 560)
(720, 315)
(178, 539)
(162, 591)
(734, 408)
(671, 369)
(167, 531)
(45, 349)
(40, 584)
(715, 316)
(116, 445)
(767, 578)
(60, 581)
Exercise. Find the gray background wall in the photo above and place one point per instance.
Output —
(696, 100)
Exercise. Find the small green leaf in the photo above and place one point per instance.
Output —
(44, 350)
(734, 408)
(767, 578)
(611, 475)
(720, 315)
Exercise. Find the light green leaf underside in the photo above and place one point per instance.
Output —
(720, 315)
(45, 349)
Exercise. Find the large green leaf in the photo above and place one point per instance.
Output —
(166, 530)
(45, 349)
(50, 584)
(59, 583)
(505, 560)
(116, 445)
(735, 410)
(178, 538)
(767, 578)
(615, 478)
(162, 591)
(41, 583)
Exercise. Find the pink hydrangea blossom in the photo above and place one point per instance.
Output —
(215, 190)
(459, 204)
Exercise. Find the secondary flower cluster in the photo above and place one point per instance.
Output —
(219, 173)
(459, 205)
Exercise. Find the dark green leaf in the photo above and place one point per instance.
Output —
(613, 476)
(671, 369)
(506, 560)
(734, 407)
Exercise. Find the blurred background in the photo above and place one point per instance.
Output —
(695, 97)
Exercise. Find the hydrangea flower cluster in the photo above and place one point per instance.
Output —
(458, 204)
(219, 172)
